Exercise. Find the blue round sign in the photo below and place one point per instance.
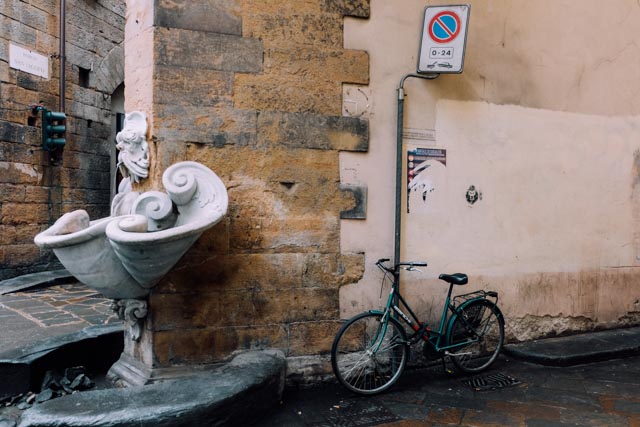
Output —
(444, 27)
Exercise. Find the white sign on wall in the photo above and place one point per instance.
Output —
(28, 61)
(444, 38)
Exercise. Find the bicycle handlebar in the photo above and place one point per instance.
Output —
(381, 261)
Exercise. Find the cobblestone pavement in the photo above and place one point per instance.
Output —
(60, 305)
(598, 394)
(30, 316)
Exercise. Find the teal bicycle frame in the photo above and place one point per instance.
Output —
(422, 330)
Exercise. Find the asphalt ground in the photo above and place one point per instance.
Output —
(595, 394)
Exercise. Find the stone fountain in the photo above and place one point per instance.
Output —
(125, 255)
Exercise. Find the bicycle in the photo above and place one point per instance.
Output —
(371, 350)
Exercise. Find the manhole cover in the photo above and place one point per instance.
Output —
(491, 382)
(360, 412)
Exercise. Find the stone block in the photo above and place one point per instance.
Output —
(312, 337)
(19, 96)
(18, 141)
(10, 132)
(332, 270)
(298, 130)
(300, 23)
(112, 12)
(287, 93)
(211, 345)
(306, 233)
(12, 193)
(7, 75)
(23, 234)
(80, 196)
(201, 272)
(77, 178)
(220, 52)
(36, 194)
(103, 24)
(20, 173)
(87, 112)
(204, 125)
(242, 308)
(317, 64)
(205, 88)
(18, 255)
(21, 153)
(289, 176)
(304, 371)
(20, 34)
(216, 16)
(27, 81)
(86, 161)
(48, 42)
(355, 8)
(8, 235)
(24, 213)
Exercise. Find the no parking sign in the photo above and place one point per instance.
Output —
(444, 38)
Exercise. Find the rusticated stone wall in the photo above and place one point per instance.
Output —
(34, 190)
(255, 93)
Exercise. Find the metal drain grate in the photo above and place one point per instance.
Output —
(491, 382)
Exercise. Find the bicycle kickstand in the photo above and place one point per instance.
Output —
(444, 367)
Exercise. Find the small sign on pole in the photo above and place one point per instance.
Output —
(444, 38)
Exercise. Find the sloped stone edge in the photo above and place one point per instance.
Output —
(579, 349)
(28, 281)
(237, 393)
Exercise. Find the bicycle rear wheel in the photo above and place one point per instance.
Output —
(481, 325)
(369, 355)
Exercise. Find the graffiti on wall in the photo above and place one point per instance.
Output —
(473, 195)
(425, 177)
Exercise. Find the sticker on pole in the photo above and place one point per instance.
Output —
(444, 38)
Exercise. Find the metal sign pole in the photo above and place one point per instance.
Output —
(399, 181)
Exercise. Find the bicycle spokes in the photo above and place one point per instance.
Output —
(376, 361)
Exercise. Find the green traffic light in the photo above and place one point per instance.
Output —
(54, 115)
(53, 129)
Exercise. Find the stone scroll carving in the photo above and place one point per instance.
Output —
(132, 312)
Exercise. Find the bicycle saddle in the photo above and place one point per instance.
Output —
(455, 279)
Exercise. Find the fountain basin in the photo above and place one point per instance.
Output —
(124, 257)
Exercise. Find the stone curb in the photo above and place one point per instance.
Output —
(36, 279)
(237, 393)
(578, 349)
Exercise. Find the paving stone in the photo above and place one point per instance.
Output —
(549, 396)
(627, 406)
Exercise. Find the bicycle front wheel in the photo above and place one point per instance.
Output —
(369, 355)
(477, 334)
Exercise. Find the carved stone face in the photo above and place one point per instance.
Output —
(133, 159)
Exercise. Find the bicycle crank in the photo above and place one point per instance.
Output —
(466, 353)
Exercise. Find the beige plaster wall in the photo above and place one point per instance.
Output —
(544, 122)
